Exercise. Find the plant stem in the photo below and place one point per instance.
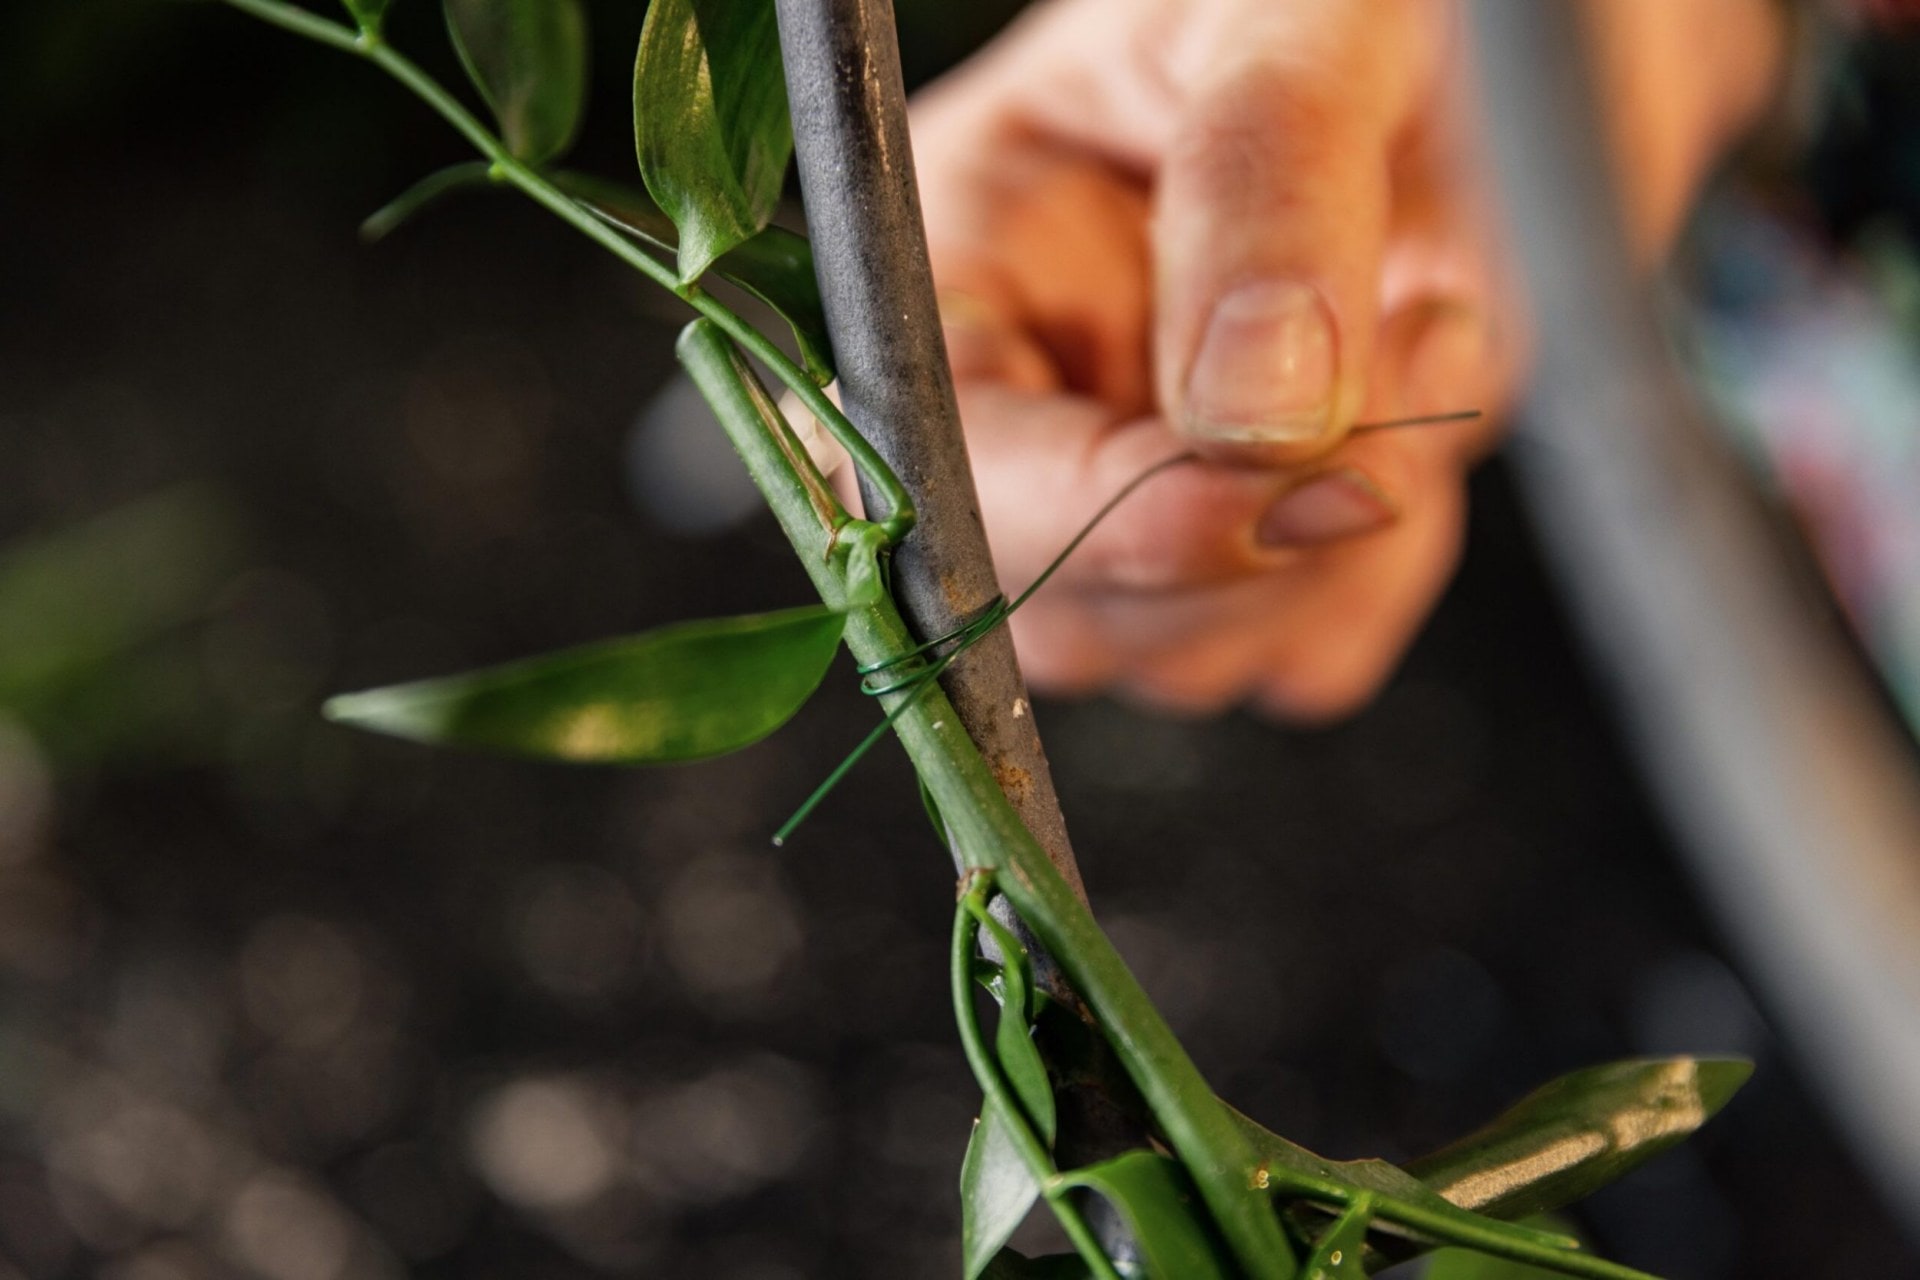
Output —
(855, 161)
(1000, 1096)
(900, 515)
(988, 836)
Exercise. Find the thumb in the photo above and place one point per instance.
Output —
(1271, 214)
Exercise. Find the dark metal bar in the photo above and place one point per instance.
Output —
(1794, 792)
(870, 253)
(870, 250)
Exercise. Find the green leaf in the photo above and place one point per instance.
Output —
(1008, 1265)
(428, 191)
(99, 657)
(710, 121)
(996, 1191)
(75, 602)
(1580, 1132)
(1152, 1194)
(369, 14)
(775, 265)
(528, 58)
(1020, 1059)
(1013, 1038)
(683, 692)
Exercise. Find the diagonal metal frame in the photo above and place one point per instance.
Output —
(848, 100)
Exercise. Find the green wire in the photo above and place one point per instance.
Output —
(961, 638)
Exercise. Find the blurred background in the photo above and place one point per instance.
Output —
(278, 1000)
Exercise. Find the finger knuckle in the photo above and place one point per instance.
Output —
(1227, 147)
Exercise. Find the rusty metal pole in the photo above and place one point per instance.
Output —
(870, 253)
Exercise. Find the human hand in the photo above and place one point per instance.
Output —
(1238, 227)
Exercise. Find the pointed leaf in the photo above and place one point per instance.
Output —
(996, 1191)
(1020, 1058)
(1580, 1132)
(710, 121)
(528, 58)
(679, 693)
(429, 190)
(1013, 1039)
(774, 265)
(368, 14)
(1008, 1265)
(1152, 1194)
(75, 602)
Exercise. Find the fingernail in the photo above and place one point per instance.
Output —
(1448, 365)
(1330, 506)
(1265, 370)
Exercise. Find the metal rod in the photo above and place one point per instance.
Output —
(1794, 792)
(870, 252)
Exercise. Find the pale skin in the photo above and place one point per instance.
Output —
(1239, 227)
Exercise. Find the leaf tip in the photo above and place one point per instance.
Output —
(361, 709)
(380, 711)
(1718, 1079)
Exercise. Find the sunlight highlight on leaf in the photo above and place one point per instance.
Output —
(710, 121)
(683, 692)
(1576, 1134)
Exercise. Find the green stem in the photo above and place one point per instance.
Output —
(311, 25)
(899, 518)
(1459, 1228)
(430, 190)
(989, 837)
(1033, 1153)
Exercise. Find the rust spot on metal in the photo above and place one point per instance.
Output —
(1016, 782)
(954, 592)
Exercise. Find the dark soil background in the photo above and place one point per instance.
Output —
(281, 1000)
